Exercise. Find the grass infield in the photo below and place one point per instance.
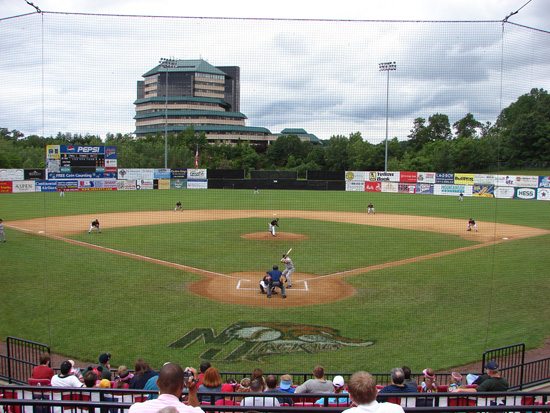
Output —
(437, 313)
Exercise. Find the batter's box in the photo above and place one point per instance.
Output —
(243, 285)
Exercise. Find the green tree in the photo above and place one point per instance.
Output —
(467, 127)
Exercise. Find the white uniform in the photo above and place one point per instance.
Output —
(289, 269)
(2, 235)
(272, 226)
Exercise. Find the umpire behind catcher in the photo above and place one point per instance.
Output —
(275, 281)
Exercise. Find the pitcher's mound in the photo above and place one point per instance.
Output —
(280, 236)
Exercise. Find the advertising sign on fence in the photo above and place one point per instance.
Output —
(196, 174)
(358, 186)
(387, 176)
(126, 184)
(45, 186)
(454, 190)
(136, 173)
(178, 173)
(425, 189)
(197, 184)
(544, 181)
(425, 177)
(543, 194)
(12, 175)
(444, 178)
(5, 187)
(504, 192)
(484, 191)
(481, 179)
(373, 186)
(408, 177)
(145, 184)
(22, 186)
(390, 187)
(70, 185)
(406, 188)
(357, 176)
(178, 183)
(464, 179)
(161, 174)
(526, 193)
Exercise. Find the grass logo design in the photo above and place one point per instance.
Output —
(259, 340)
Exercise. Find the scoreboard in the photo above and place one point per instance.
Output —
(71, 159)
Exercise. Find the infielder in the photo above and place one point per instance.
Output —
(289, 269)
(370, 208)
(2, 235)
(272, 225)
(95, 224)
(471, 223)
(178, 206)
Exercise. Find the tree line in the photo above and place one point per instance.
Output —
(519, 139)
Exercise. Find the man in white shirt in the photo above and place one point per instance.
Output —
(362, 392)
(171, 382)
(65, 378)
(256, 387)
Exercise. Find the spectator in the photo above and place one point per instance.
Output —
(271, 383)
(105, 384)
(43, 371)
(316, 385)
(104, 364)
(286, 384)
(494, 383)
(259, 374)
(339, 385)
(362, 391)
(396, 386)
(205, 365)
(244, 387)
(455, 382)
(212, 382)
(76, 371)
(171, 382)
(123, 377)
(142, 373)
(227, 400)
(409, 381)
(90, 379)
(428, 385)
(65, 378)
(256, 387)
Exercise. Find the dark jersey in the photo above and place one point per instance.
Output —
(95, 223)
(275, 222)
(471, 222)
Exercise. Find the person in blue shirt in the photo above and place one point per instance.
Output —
(275, 281)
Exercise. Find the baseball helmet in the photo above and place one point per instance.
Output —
(284, 255)
(275, 267)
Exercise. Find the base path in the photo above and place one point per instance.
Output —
(243, 287)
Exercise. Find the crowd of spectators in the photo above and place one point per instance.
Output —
(172, 384)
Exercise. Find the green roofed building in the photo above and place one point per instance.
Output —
(177, 94)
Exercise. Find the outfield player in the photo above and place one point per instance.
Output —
(461, 197)
(471, 223)
(272, 225)
(289, 269)
(2, 235)
(371, 208)
(178, 206)
(95, 224)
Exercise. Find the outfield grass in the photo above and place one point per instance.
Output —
(436, 313)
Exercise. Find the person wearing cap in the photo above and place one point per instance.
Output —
(339, 384)
(289, 269)
(275, 281)
(495, 382)
(318, 384)
(397, 385)
(65, 378)
(171, 382)
(271, 383)
(105, 366)
(272, 225)
(362, 392)
(286, 384)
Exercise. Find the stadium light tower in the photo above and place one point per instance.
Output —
(166, 64)
(387, 67)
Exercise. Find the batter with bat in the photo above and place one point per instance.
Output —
(289, 267)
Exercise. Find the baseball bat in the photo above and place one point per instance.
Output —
(289, 251)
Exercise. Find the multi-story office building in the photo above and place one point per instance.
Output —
(186, 93)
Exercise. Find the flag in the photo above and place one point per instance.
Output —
(197, 158)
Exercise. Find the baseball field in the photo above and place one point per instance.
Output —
(407, 285)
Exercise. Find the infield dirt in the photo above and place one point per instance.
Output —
(242, 287)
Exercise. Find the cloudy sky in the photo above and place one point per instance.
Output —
(303, 64)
